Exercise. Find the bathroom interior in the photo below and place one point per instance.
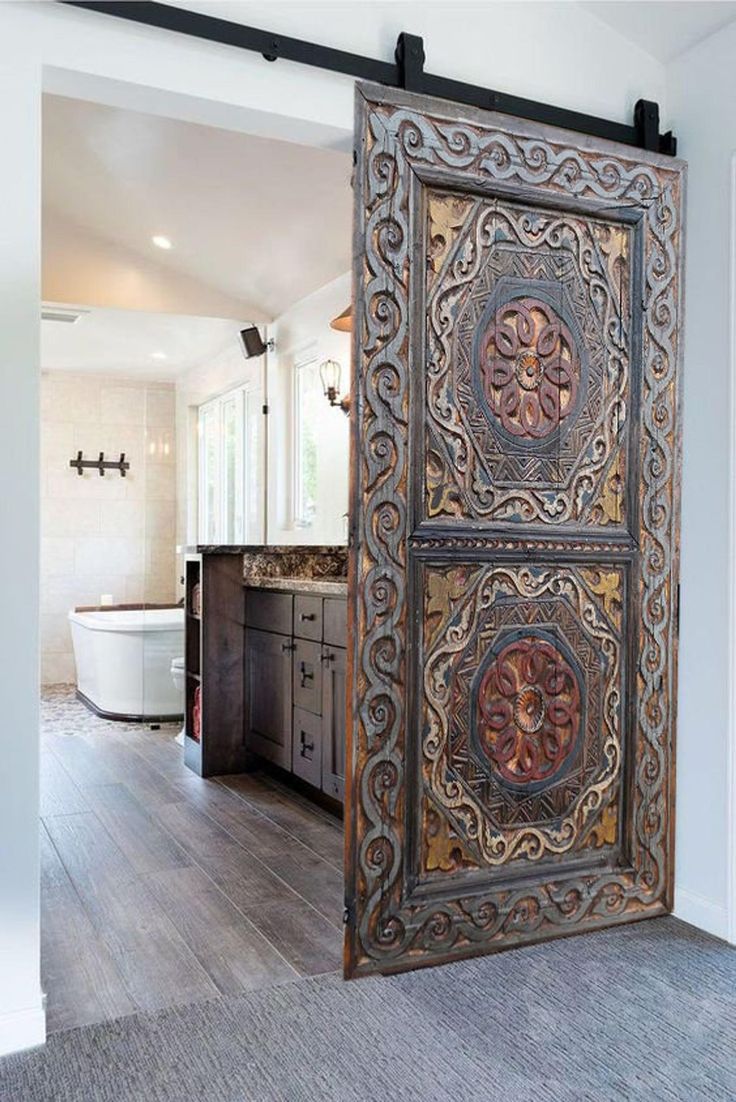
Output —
(195, 385)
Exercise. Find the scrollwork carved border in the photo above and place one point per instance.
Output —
(387, 928)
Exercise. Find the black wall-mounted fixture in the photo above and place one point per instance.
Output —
(406, 71)
(101, 464)
(252, 343)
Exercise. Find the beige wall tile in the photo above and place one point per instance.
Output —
(57, 669)
(135, 589)
(62, 517)
(105, 534)
(160, 407)
(57, 555)
(56, 632)
(160, 445)
(160, 482)
(113, 554)
(70, 398)
(161, 520)
(57, 445)
(126, 517)
(160, 556)
(122, 405)
(64, 592)
(160, 587)
(90, 486)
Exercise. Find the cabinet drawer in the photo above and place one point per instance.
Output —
(308, 617)
(269, 611)
(308, 676)
(336, 622)
(307, 747)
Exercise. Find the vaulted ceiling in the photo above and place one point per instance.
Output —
(255, 224)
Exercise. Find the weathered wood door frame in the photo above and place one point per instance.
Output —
(412, 141)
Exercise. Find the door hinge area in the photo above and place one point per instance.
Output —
(348, 914)
(264, 410)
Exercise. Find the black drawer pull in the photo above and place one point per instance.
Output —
(307, 747)
(305, 675)
(326, 657)
(285, 647)
(307, 616)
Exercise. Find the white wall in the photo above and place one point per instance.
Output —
(22, 1020)
(304, 330)
(702, 96)
(108, 535)
(555, 52)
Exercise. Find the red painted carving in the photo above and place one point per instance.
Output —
(529, 705)
(530, 368)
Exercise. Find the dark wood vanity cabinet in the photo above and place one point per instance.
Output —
(268, 677)
(334, 670)
(295, 684)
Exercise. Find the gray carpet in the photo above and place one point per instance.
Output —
(642, 1012)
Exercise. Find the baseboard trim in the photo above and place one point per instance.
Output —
(701, 912)
(21, 1029)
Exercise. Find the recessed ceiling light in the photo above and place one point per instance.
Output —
(158, 356)
(161, 242)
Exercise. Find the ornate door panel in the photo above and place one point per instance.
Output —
(514, 582)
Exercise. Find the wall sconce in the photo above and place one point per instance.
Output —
(329, 373)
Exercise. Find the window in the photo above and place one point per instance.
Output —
(230, 468)
(308, 413)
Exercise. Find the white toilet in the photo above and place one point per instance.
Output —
(177, 675)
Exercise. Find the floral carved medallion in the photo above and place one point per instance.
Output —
(529, 707)
(530, 368)
(515, 541)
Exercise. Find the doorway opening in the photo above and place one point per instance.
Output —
(173, 873)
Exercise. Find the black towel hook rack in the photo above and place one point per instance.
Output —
(100, 464)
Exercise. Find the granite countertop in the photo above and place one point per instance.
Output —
(323, 587)
(264, 549)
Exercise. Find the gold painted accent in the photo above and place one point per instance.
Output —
(443, 589)
(614, 243)
(446, 217)
(442, 497)
(606, 584)
(605, 830)
(609, 508)
(445, 852)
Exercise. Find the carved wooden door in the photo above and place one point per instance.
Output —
(515, 502)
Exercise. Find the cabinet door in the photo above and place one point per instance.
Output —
(333, 721)
(268, 660)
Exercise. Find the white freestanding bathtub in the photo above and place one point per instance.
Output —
(123, 659)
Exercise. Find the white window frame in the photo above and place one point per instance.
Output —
(307, 358)
(244, 397)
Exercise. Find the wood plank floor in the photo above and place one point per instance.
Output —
(160, 888)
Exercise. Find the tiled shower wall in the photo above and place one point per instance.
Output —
(106, 534)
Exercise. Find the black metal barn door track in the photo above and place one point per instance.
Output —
(406, 71)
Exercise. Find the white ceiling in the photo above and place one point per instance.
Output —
(664, 28)
(262, 222)
(122, 342)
